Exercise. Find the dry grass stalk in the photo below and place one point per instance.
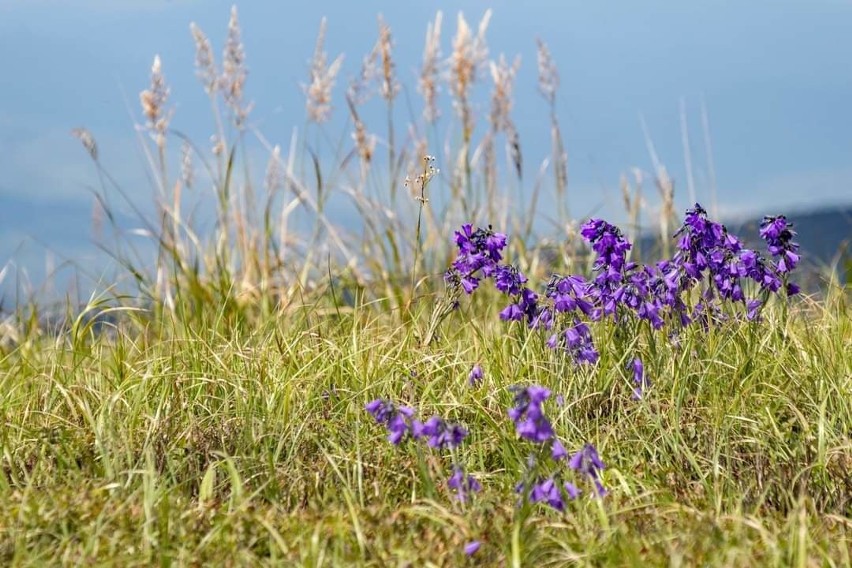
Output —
(205, 61)
(548, 84)
(427, 84)
(323, 76)
(500, 118)
(469, 53)
(515, 155)
(365, 143)
(153, 101)
(503, 76)
(489, 172)
(234, 72)
(390, 86)
(548, 74)
(87, 140)
(360, 88)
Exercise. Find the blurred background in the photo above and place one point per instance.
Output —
(746, 104)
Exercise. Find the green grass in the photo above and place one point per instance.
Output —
(249, 444)
(224, 424)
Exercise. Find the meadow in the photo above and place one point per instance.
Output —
(447, 384)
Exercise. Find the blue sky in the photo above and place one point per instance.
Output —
(774, 74)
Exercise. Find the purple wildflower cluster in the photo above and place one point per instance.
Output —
(708, 253)
(400, 423)
(480, 253)
(527, 415)
(778, 234)
(436, 432)
(463, 484)
(397, 419)
(708, 258)
(531, 424)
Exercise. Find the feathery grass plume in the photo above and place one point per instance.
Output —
(360, 88)
(427, 84)
(548, 74)
(548, 84)
(388, 90)
(323, 76)
(87, 140)
(210, 78)
(500, 119)
(390, 86)
(365, 143)
(205, 61)
(503, 76)
(234, 72)
(153, 101)
(469, 53)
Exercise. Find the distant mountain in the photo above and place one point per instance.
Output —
(824, 236)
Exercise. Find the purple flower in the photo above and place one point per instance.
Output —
(588, 463)
(440, 434)
(463, 485)
(512, 312)
(572, 490)
(558, 451)
(509, 279)
(607, 241)
(577, 340)
(548, 491)
(397, 419)
(639, 378)
(530, 422)
(472, 547)
(753, 310)
(475, 375)
(479, 252)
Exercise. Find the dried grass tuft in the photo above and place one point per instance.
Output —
(87, 140)
(503, 76)
(323, 76)
(469, 53)
(153, 101)
(205, 61)
(548, 74)
(428, 85)
(234, 72)
(389, 87)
